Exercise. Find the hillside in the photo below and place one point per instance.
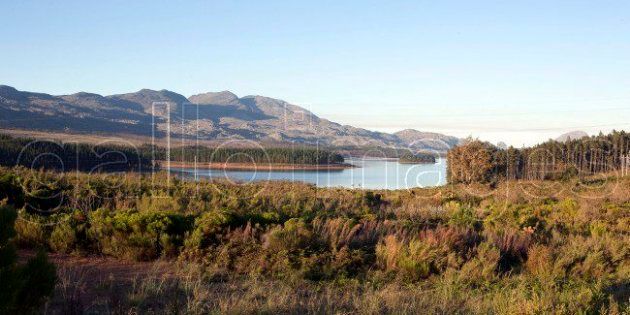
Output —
(210, 116)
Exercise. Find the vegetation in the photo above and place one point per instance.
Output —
(298, 155)
(108, 157)
(23, 287)
(477, 161)
(518, 247)
(417, 158)
(70, 156)
(380, 151)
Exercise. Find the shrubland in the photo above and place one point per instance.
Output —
(510, 247)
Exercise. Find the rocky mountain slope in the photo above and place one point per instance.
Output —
(214, 115)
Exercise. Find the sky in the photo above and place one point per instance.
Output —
(520, 72)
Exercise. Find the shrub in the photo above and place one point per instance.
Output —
(138, 235)
(465, 217)
(32, 230)
(44, 193)
(483, 267)
(208, 229)
(11, 190)
(69, 234)
(513, 246)
(292, 248)
(293, 236)
(23, 288)
(340, 232)
(240, 252)
(431, 252)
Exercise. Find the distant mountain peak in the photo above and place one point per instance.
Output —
(415, 132)
(573, 135)
(6, 88)
(85, 94)
(9, 92)
(146, 97)
(430, 140)
(226, 93)
(214, 98)
(407, 130)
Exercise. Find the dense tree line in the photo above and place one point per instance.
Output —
(108, 157)
(411, 158)
(300, 155)
(382, 152)
(67, 156)
(478, 161)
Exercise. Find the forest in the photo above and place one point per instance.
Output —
(382, 151)
(478, 161)
(68, 156)
(417, 158)
(112, 157)
(282, 155)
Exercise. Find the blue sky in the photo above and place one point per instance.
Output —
(513, 71)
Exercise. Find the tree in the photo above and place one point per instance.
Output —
(471, 162)
(476, 161)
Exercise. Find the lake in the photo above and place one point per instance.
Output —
(369, 174)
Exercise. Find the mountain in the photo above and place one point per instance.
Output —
(209, 116)
(81, 112)
(573, 135)
(427, 140)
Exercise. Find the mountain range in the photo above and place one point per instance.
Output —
(208, 116)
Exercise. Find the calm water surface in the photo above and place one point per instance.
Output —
(370, 174)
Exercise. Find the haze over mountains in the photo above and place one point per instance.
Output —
(214, 115)
(573, 135)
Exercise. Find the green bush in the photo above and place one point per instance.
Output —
(45, 194)
(208, 229)
(70, 234)
(138, 235)
(32, 230)
(11, 190)
(63, 238)
(293, 250)
(23, 288)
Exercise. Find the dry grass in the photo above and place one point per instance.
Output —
(193, 290)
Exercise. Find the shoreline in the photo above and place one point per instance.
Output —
(258, 167)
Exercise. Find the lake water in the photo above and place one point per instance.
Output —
(369, 174)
